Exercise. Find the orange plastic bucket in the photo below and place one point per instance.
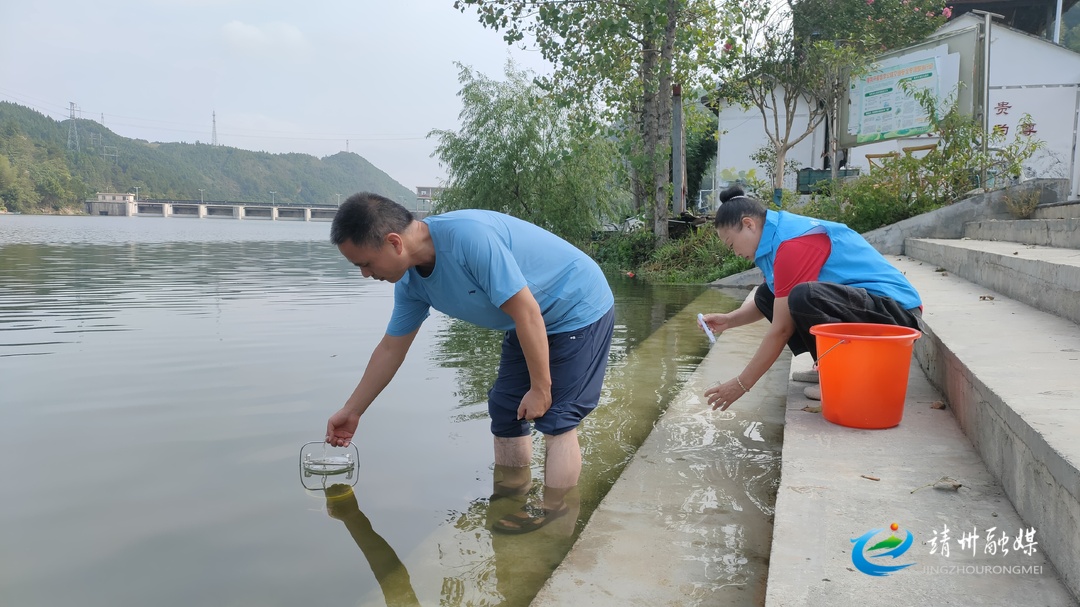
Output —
(863, 368)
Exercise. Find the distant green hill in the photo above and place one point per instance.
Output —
(39, 174)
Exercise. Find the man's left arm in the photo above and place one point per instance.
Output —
(532, 334)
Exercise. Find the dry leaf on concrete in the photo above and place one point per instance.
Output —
(947, 484)
(944, 483)
(937, 404)
(810, 409)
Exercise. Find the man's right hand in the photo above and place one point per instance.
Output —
(341, 427)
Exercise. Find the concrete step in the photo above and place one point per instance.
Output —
(1057, 210)
(838, 484)
(1009, 372)
(1062, 233)
(1045, 278)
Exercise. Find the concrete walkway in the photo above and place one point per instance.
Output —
(924, 475)
(675, 529)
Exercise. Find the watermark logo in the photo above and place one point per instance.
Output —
(996, 542)
(891, 546)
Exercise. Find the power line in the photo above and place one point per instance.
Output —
(157, 125)
(37, 104)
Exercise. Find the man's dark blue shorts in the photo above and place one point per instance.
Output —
(578, 362)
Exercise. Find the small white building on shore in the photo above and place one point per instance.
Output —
(112, 203)
(1028, 75)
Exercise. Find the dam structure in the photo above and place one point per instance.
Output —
(128, 205)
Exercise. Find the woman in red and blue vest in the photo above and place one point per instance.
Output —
(815, 272)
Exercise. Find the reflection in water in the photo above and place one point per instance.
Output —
(474, 351)
(493, 568)
(389, 571)
(499, 569)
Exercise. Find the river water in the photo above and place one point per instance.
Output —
(159, 377)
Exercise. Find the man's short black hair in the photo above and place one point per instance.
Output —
(366, 218)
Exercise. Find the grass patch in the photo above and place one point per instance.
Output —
(700, 257)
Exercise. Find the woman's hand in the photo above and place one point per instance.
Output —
(721, 396)
(718, 323)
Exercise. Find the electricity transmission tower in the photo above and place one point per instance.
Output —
(73, 132)
(213, 137)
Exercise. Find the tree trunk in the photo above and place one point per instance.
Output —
(778, 171)
(661, 157)
(832, 121)
(678, 154)
(650, 110)
(637, 190)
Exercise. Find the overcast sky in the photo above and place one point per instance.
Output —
(297, 76)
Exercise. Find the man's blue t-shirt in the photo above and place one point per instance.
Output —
(483, 258)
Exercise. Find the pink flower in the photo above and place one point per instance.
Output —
(946, 12)
(869, 1)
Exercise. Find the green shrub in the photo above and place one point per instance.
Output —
(887, 195)
(622, 251)
(698, 258)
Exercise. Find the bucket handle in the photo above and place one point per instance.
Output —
(842, 341)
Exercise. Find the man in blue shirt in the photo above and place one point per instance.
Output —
(498, 272)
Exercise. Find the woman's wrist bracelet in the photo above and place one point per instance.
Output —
(744, 388)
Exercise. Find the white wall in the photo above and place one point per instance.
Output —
(742, 132)
(1019, 58)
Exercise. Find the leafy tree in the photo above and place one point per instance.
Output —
(795, 55)
(772, 73)
(845, 36)
(1070, 29)
(517, 153)
(617, 62)
(701, 128)
(19, 161)
(16, 193)
(868, 26)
